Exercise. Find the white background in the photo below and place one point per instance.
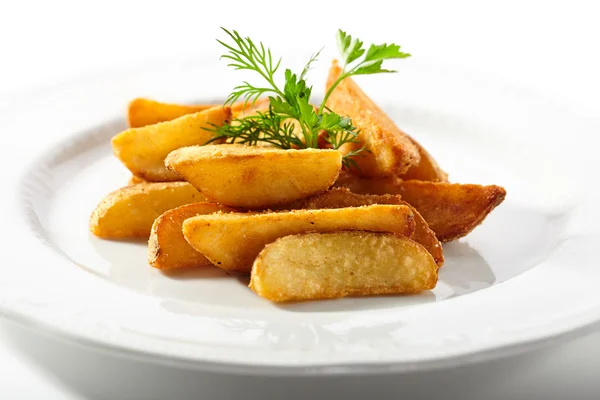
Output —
(550, 45)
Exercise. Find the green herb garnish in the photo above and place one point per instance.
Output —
(290, 109)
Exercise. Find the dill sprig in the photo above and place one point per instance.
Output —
(291, 121)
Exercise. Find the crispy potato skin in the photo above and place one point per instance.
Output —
(167, 248)
(452, 210)
(343, 197)
(339, 264)
(143, 150)
(427, 169)
(255, 177)
(143, 112)
(241, 110)
(130, 211)
(392, 152)
(232, 241)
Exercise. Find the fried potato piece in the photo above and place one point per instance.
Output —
(143, 150)
(427, 169)
(232, 241)
(342, 197)
(241, 109)
(130, 211)
(143, 112)
(361, 185)
(390, 151)
(339, 264)
(134, 180)
(452, 210)
(255, 177)
(167, 248)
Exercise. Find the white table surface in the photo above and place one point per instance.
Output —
(550, 45)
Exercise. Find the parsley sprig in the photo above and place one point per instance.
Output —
(291, 121)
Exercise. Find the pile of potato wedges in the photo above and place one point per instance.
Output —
(299, 223)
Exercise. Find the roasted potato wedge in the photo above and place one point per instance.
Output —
(389, 150)
(130, 211)
(342, 197)
(255, 177)
(232, 241)
(452, 210)
(143, 112)
(427, 169)
(339, 264)
(167, 248)
(143, 150)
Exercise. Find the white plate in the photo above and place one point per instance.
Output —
(526, 275)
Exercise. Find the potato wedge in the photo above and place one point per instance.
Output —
(167, 248)
(232, 241)
(390, 151)
(339, 264)
(241, 110)
(143, 150)
(255, 177)
(426, 170)
(452, 210)
(342, 197)
(143, 112)
(130, 211)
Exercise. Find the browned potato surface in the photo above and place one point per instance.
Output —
(390, 151)
(143, 150)
(232, 241)
(167, 248)
(144, 112)
(427, 169)
(130, 211)
(255, 177)
(134, 180)
(339, 264)
(342, 197)
(452, 210)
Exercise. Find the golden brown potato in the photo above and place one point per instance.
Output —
(241, 109)
(255, 177)
(143, 112)
(130, 211)
(426, 237)
(134, 180)
(361, 185)
(143, 150)
(339, 264)
(427, 169)
(452, 210)
(390, 151)
(167, 248)
(342, 197)
(232, 241)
